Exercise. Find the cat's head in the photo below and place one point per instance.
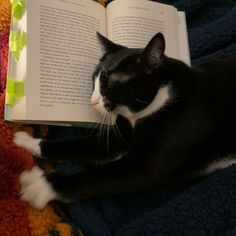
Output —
(124, 82)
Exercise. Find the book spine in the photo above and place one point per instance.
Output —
(17, 53)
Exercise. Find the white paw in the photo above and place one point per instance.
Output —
(24, 140)
(35, 189)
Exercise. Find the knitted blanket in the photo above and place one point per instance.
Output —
(207, 207)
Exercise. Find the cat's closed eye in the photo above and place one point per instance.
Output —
(103, 75)
(141, 101)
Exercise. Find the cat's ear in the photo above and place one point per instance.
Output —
(108, 45)
(154, 51)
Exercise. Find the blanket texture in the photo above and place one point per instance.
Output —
(207, 207)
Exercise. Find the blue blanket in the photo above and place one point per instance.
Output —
(207, 207)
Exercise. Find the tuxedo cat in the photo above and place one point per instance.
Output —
(172, 123)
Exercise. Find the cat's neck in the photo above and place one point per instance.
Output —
(177, 76)
(161, 99)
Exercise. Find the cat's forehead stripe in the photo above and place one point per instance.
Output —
(120, 77)
(112, 61)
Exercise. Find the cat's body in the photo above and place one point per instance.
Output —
(176, 122)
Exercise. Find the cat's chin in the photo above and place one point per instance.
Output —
(101, 110)
(108, 118)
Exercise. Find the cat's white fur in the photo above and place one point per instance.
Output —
(96, 99)
(24, 140)
(35, 189)
(222, 163)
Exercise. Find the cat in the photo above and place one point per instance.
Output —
(174, 122)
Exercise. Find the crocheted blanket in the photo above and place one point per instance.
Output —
(207, 207)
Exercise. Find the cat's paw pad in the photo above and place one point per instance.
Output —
(31, 144)
(35, 189)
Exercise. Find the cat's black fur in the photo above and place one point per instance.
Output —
(196, 126)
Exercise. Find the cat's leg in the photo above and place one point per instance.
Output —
(115, 177)
(87, 149)
(31, 144)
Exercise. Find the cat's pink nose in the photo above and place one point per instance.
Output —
(94, 99)
(94, 102)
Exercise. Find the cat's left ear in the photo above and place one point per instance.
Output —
(108, 45)
(154, 51)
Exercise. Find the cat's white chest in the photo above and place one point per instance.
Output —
(160, 100)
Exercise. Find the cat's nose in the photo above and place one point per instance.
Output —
(94, 102)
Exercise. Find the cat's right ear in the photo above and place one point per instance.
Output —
(108, 45)
(154, 51)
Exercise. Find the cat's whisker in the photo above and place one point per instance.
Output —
(116, 129)
(110, 121)
(99, 134)
(95, 126)
(141, 101)
(100, 130)
(104, 127)
(120, 135)
(113, 118)
(108, 131)
(113, 125)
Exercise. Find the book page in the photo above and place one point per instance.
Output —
(62, 53)
(183, 38)
(133, 23)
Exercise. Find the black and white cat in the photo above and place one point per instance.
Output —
(176, 123)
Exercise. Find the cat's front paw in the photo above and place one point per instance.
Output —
(35, 189)
(31, 144)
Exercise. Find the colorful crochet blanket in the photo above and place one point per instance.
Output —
(207, 207)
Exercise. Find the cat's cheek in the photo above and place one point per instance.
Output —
(35, 189)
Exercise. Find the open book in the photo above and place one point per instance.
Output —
(56, 64)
